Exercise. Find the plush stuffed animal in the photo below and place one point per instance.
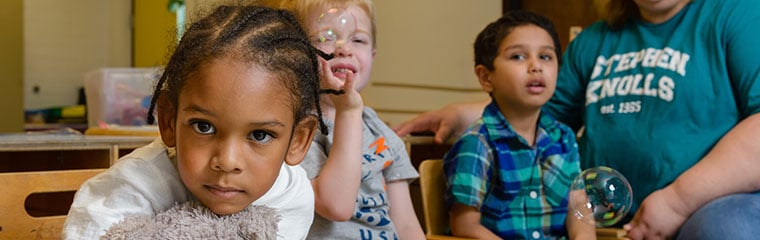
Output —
(191, 220)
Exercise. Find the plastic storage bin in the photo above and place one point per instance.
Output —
(119, 96)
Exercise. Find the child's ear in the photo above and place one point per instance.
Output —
(166, 120)
(484, 77)
(301, 140)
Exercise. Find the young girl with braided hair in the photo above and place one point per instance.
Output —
(237, 108)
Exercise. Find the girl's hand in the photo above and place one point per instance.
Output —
(350, 99)
(658, 216)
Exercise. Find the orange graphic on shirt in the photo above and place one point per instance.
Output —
(386, 164)
(380, 143)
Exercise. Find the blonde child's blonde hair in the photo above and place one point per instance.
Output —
(302, 9)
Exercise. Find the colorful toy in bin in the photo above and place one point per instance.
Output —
(117, 95)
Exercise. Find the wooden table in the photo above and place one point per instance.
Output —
(28, 144)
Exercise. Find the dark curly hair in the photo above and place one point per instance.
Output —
(270, 38)
(487, 43)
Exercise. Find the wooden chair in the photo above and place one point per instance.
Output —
(15, 220)
(433, 185)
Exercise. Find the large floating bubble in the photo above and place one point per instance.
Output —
(600, 196)
(336, 25)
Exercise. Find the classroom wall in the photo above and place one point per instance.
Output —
(424, 55)
(11, 78)
(63, 40)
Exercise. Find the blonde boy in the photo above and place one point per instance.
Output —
(361, 170)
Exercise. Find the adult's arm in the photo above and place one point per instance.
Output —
(730, 167)
(447, 122)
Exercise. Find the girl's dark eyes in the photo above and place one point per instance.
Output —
(261, 136)
(547, 57)
(203, 127)
(206, 128)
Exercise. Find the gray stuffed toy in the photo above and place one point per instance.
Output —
(191, 220)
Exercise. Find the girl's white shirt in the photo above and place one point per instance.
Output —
(146, 182)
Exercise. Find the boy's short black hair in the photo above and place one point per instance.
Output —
(488, 40)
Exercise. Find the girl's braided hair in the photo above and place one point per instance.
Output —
(269, 38)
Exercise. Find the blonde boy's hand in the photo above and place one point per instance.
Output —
(350, 100)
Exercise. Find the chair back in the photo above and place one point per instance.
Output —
(432, 187)
(15, 219)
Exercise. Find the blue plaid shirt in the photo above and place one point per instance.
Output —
(521, 190)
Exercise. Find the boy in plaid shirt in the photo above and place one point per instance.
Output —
(509, 174)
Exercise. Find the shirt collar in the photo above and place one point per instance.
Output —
(499, 129)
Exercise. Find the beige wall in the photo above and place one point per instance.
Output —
(63, 40)
(424, 58)
(424, 55)
(11, 79)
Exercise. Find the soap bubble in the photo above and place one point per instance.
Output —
(336, 25)
(600, 196)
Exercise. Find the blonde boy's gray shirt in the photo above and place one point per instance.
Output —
(384, 159)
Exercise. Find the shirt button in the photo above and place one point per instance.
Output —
(536, 235)
(533, 194)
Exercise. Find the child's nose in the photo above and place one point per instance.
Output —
(227, 158)
(535, 66)
(343, 48)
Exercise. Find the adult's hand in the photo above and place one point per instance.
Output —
(660, 216)
(447, 122)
